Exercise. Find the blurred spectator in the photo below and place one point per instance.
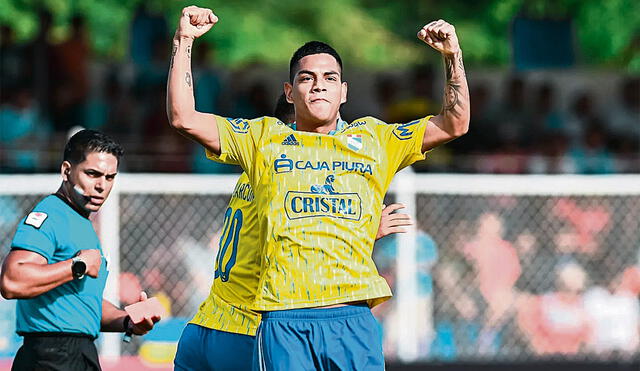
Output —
(41, 64)
(113, 109)
(385, 253)
(458, 314)
(480, 137)
(208, 92)
(148, 28)
(70, 80)
(592, 156)
(496, 263)
(544, 116)
(12, 59)
(207, 80)
(152, 76)
(627, 154)
(557, 322)
(23, 132)
(533, 260)
(509, 158)
(551, 156)
(509, 117)
(386, 90)
(615, 314)
(587, 226)
(420, 101)
(625, 117)
(581, 112)
(254, 102)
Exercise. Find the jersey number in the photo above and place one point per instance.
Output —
(230, 234)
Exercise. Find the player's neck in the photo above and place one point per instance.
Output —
(321, 127)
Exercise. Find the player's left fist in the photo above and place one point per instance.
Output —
(441, 36)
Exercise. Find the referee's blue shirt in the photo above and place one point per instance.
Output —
(55, 230)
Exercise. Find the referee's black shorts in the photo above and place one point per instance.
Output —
(56, 351)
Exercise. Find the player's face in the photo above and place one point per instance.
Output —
(89, 182)
(317, 89)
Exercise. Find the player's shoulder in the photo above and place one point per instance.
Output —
(244, 126)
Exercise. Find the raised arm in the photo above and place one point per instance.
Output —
(201, 127)
(453, 120)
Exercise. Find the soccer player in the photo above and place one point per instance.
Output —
(221, 336)
(55, 268)
(317, 185)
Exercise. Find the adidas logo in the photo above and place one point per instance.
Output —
(290, 141)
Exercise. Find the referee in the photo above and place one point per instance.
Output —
(56, 268)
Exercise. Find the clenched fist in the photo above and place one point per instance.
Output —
(92, 259)
(195, 22)
(441, 36)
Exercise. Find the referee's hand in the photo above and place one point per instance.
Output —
(93, 260)
(147, 322)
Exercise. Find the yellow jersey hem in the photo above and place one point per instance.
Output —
(371, 301)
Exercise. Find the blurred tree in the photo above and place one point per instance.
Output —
(370, 33)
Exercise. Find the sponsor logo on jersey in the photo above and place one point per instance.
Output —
(290, 141)
(239, 126)
(323, 201)
(287, 165)
(353, 125)
(354, 142)
(405, 131)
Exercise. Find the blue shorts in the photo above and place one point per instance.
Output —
(342, 338)
(202, 348)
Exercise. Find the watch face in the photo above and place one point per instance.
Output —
(78, 268)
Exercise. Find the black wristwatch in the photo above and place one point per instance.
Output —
(78, 267)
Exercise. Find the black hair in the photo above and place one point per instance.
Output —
(311, 48)
(88, 141)
(284, 111)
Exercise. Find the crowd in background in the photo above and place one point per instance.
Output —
(521, 277)
(555, 289)
(48, 88)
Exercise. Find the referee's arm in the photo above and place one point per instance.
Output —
(26, 274)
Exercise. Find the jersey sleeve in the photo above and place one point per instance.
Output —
(39, 239)
(403, 142)
(239, 140)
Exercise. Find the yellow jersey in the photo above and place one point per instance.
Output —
(237, 268)
(318, 203)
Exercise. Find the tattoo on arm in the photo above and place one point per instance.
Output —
(452, 88)
(451, 93)
(187, 78)
(189, 51)
(173, 55)
(460, 64)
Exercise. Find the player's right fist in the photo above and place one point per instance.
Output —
(92, 259)
(195, 22)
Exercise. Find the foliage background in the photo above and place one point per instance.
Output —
(369, 33)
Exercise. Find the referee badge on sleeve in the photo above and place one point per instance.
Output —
(35, 219)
